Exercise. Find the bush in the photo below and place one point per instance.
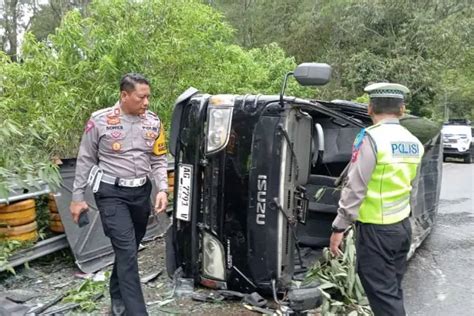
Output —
(52, 91)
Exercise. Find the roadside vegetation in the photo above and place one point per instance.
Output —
(73, 54)
(48, 94)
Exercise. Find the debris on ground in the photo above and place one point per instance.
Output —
(50, 279)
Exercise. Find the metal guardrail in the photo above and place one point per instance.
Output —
(38, 250)
(52, 244)
(18, 194)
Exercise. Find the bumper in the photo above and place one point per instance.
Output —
(455, 151)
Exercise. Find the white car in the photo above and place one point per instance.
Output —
(457, 140)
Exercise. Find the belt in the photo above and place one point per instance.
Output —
(130, 183)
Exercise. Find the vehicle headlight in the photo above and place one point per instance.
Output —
(219, 119)
(213, 257)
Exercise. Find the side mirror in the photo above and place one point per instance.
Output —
(308, 74)
(313, 74)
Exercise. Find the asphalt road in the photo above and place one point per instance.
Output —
(440, 277)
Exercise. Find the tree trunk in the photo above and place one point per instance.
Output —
(11, 28)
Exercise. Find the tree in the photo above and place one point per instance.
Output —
(15, 17)
(60, 82)
(49, 15)
(411, 42)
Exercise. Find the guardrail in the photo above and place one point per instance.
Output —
(49, 245)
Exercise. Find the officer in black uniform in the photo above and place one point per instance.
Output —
(121, 148)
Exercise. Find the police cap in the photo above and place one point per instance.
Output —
(386, 90)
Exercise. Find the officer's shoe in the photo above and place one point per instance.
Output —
(118, 307)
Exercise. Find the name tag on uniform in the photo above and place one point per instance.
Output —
(405, 149)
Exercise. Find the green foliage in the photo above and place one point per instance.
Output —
(22, 161)
(7, 249)
(42, 217)
(362, 99)
(342, 291)
(86, 294)
(424, 129)
(48, 15)
(426, 45)
(58, 84)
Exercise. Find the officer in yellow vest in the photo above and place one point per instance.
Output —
(376, 195)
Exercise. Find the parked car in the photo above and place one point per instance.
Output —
(257, 183)
(458, 140)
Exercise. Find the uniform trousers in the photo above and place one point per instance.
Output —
(381, 263)
(124, 213)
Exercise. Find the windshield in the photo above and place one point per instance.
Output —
(456, 130)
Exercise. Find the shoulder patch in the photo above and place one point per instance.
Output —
(151, 114)
(101, 112)
(159, 147)
(89, 125)
(357, 143)
(358, 139)
(153, 118)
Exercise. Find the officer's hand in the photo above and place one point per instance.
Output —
(76, 209)
(161, 202)
(335, 243)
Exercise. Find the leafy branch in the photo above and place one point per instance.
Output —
(7, 249)
(342, 290)
(86, 294)
(23, 160)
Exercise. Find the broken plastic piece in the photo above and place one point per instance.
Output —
(184, 287)
(150, 277)
(255, 299)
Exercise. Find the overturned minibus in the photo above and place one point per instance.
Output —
(257, 183)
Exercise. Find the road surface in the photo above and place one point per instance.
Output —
(440, 277)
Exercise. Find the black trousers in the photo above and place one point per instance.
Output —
(381, 263)
(124, 213)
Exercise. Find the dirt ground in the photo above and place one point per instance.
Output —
(48, 277)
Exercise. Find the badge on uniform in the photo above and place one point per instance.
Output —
(90, 125)
(116, 146)
(113, 120)
(150, 135)
(355, 154)
(116, 134)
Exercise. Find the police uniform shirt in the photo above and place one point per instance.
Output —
(124, 146)
(362, 165)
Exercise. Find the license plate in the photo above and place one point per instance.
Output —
(183, 203)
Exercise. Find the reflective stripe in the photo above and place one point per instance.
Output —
(397, 202)
(398, 209)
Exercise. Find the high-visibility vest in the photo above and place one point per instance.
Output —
(398, 155)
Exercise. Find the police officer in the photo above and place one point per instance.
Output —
(122, 146)
(376, 195)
